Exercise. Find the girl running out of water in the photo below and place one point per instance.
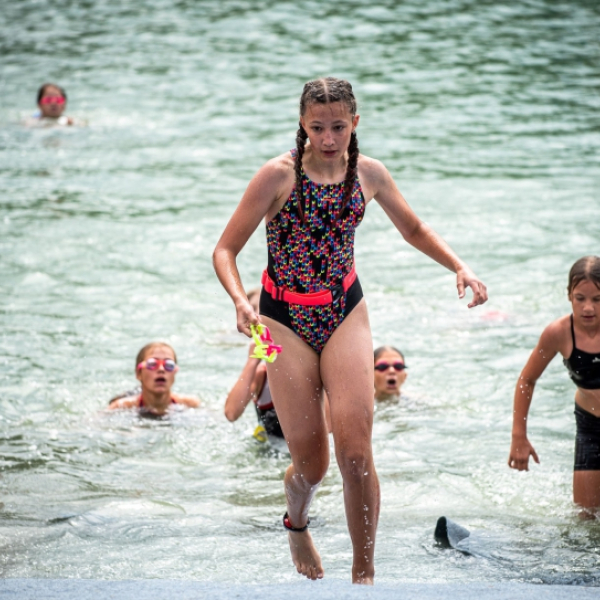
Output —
(577, 338)
(312, 199)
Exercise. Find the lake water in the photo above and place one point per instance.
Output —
(486, 114)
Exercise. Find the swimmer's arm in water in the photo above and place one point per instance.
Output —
(545, 350)
(246, 388)
(134, 392)
(129, 401)
(384, 190)
(123, 402)
(190, 401)
(271, 185)
(63, 121)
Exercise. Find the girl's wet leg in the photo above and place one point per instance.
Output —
(347, 372)
(296, 388)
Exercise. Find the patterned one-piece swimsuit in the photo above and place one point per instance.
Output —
(314, 255)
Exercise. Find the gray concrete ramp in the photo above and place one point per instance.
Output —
(158, 589)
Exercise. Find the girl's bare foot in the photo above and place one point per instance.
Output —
(305, 555)
(362, 579)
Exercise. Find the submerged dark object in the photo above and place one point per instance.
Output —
(451, 535)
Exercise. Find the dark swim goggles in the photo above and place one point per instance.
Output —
(383, 366)
(152, 364)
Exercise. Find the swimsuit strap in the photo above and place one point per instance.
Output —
(573, 333)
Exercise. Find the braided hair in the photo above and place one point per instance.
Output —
(326, 91)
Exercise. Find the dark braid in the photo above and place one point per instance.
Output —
(301, 137)
(351, 173)
(326, 91)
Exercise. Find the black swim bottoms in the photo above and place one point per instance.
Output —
(268, 419)
(587, 441)
(314, 324)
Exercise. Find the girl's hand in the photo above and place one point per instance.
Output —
(246, 317)
(466, 278)
(520, 451)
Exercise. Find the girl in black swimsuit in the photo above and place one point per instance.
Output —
(577, 338)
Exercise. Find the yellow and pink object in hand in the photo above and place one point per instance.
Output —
(264, 349)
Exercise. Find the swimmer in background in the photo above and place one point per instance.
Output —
(577, 338)
(253, 385)
(156, 366)
(51, 101)
(389, 372)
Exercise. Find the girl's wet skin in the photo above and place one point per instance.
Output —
(576, 337)
(336, 356)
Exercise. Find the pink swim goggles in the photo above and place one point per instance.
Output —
(153, 364)
(52, 100)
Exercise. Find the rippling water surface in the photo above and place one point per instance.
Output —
(487, 116)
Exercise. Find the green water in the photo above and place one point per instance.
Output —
(487, 116)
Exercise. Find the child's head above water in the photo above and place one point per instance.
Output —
(156, 366)
(155, 369)
(51, 100)
(390, 372)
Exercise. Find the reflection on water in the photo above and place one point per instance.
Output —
(486, 115)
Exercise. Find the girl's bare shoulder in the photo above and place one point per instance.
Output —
(281, 166)
(371, 167)
(557, 335)
(274, 178)
(373, 174)
(376, 180)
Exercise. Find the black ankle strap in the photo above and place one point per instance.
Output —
(290, 527)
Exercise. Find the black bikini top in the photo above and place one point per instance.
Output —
(583, 367)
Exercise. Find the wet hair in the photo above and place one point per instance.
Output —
(43, 88)
(586, 268)
(142, 353)
(326, 91)
(379, 351)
